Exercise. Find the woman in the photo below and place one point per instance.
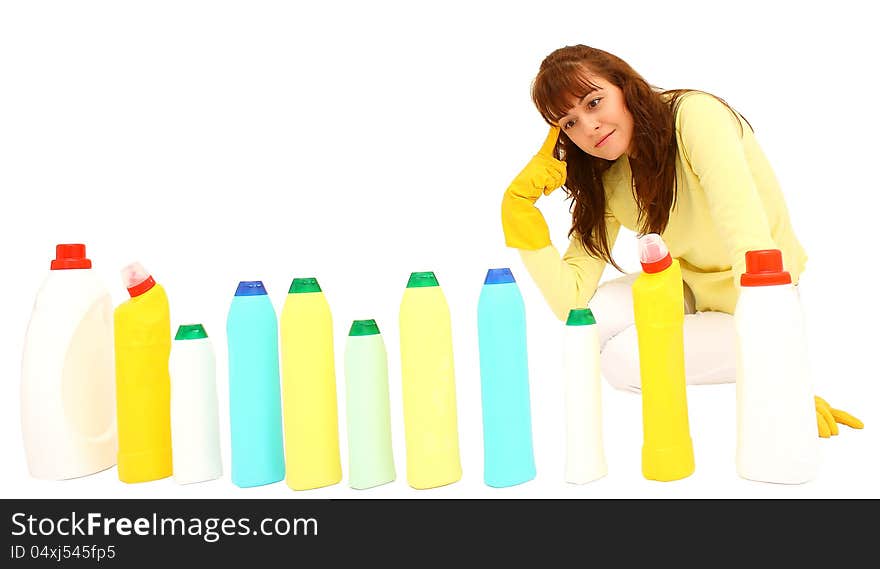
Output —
(679, 163)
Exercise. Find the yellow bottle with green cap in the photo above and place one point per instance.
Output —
(311, 428)
(658, 306)
(428, 375)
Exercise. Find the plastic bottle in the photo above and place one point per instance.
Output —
(142, 332)
(311, 426)
(777, 438)
(508, 458)
(428, 376)
(254, 388)
(368, 407)
(195, 427)
(658, 305)
(68, 415)
(584, 449)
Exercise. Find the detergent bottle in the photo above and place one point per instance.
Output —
(368, 407)
(658, 306)
(195, 428)
(777, 438)
(428, 377)
(68, 416)
(142, 332)
(311, 426)
(254, 388)
(584, 450)
(508, 458)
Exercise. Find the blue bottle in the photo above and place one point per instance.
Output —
(504, 373)
(254, 388)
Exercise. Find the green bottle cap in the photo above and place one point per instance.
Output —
(304, 285)
(580, 317)
(424, 279)
(191, 332)
(364, 328)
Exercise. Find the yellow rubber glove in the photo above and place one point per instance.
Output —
(828, 417)
(523, 224)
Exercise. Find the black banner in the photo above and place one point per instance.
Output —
(132, 533)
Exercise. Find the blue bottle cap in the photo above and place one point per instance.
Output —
(250, 288)
(499, 276)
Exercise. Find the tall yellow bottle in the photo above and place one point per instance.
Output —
(142, 336)
(428, 375)
(658, 303)
(311, 427)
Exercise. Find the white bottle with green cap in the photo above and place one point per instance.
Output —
(368, 408)
(428, 376)
(308, 380)
(195, 426)
(584, 450)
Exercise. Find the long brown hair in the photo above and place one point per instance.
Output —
(563, 79)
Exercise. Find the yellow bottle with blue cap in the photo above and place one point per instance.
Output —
(658, 305)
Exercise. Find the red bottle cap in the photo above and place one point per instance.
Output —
(764, 268)
(657, 266)
(70, 256)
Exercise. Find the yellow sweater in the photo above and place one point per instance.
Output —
(728, 202)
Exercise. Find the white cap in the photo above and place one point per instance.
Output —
(652, 248)
(134, 274)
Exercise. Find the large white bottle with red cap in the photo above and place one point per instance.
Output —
(68, 417)
(777, 436)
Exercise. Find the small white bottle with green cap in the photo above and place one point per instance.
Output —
(428, 377)
(195, 425)
(368, 407)
(584, 449)
(308, 386)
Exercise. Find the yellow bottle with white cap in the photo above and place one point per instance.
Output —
(658, 305)
(142, 334)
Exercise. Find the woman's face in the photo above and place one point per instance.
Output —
(599, 123)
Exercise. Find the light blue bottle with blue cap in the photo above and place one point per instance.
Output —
(504, 372)
(254, 388)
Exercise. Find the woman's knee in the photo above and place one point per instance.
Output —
(620, 361)
(709, 353)
(612, 306)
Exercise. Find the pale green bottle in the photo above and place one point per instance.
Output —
(368, 408)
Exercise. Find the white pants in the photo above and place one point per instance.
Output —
(709, 338)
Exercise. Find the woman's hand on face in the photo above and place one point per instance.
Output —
(554, 167)
(544, 173)
(524, 226)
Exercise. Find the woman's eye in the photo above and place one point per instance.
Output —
(567, 125)
(594, 103)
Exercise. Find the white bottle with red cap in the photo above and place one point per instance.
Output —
(777, 436)
(68, 414)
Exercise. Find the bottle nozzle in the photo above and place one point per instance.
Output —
(652, 248)
(136, 279)
(653, 253)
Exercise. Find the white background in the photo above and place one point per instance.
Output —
(358, 142)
